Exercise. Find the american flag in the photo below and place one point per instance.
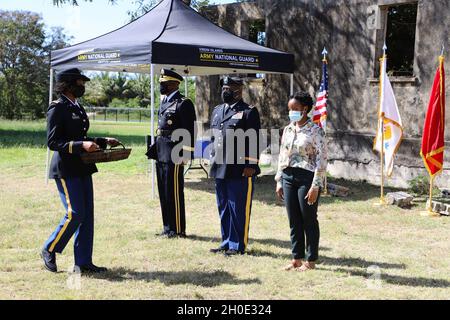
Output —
(320, 109)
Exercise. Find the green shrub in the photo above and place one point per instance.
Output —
(420, 185)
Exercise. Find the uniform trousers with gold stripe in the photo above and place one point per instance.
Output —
(77, 196)
(171, 196)
(234, 201)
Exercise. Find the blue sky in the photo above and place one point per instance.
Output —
(84, 22)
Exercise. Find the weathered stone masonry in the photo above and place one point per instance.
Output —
(353, 32)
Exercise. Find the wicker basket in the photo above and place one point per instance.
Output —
(111, 154)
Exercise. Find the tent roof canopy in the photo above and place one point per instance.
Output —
(172, 35)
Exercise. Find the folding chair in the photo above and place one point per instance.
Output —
(200, 154)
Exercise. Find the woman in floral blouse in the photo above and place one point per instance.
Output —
(301, 170)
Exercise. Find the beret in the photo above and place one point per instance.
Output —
(231, 81)
(71, 75)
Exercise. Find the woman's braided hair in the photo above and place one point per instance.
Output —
(303, 98)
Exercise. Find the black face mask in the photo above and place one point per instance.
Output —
(228, 97)
(163, 88)
(77, 90)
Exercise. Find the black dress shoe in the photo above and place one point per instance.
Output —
(232, 252)
(171, 234)
(90, 268)
(168, 234)
(218, 250)
(49, 260)
(181, 235)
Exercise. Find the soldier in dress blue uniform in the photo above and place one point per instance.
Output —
(67, 127)
(176, 116)
(234, 164)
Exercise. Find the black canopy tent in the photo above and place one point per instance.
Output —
(171, 35)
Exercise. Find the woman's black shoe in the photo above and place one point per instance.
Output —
(233, 252)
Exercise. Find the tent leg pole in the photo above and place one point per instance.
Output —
(152, 110)
(50, 98)
(186, 92)
(292, 84)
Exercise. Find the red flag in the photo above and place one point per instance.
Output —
(432, 150)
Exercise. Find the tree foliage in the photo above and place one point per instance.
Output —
(117, 90)
(144, 6)
(140, 6)
(24, 63)
(105, 87)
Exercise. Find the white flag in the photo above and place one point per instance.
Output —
(389, 121)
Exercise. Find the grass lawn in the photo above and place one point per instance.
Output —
(366, 252)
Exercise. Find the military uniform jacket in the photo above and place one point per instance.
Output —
(225, 164)
(67, 126)
(177, 113)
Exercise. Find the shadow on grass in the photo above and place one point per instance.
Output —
(273, 242)
(38, 138)
(358, 262)
(16, 138)
(359, 191)
(329, 261)
(398, 280)
(198, 278)
(324, 260)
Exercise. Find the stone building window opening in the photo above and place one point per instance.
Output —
(257, 34)
(400, 39)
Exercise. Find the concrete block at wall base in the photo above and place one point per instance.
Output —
(337, 191)
(401, 199)
(439, 207)
(447, 211)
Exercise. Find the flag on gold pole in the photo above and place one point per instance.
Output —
(390, 129)
(432, 150)
(320, 108)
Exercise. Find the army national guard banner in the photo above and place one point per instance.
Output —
(172, 35)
